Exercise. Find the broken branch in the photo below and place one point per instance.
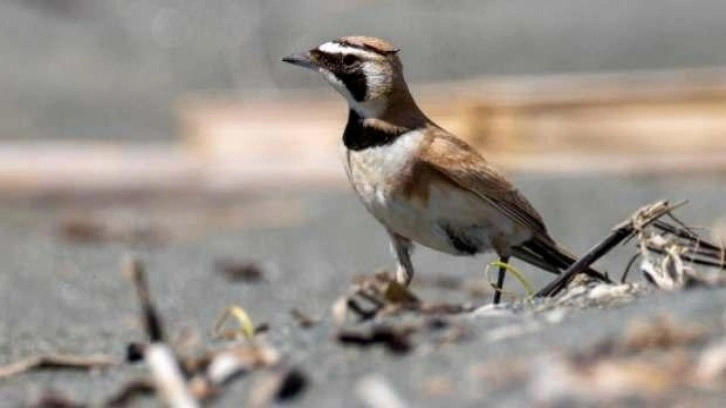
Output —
(642, 218)
(134, 270)
(57, 361)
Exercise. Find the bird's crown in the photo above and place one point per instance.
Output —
(368, 43)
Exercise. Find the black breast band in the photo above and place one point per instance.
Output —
(358, 137)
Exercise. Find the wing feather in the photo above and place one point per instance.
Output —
(462, 165)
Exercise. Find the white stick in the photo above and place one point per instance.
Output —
(168, 377)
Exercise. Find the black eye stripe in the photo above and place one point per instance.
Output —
(349, 59)
(339, 60)
(336, 60)
(354, 80)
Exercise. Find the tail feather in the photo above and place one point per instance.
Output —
(533, 258)
(550, 256)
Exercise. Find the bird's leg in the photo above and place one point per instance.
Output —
(402, 250)
(500, 279)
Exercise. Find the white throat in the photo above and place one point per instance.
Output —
(373, 108)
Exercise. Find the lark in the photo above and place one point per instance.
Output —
(423, 184)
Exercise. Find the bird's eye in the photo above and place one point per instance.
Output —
(349, 60)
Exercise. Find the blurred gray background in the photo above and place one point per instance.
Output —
(77, 72)
(115, 69)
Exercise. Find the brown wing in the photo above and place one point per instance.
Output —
(461, 164)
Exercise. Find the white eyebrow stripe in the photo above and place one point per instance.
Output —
(336, 48)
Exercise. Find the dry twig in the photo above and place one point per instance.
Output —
(303, 319)
(673, 256)
(642, 218)
(57, 361)
(160, 357)
(134, 270)
(380, 295)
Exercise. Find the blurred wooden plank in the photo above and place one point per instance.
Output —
(301, 126)
(80, 168)
(637, 112)
(652, 124)
(68, 166)
(644, 112)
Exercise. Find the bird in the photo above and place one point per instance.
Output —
(423, 184)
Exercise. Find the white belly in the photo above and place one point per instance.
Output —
(449, 217)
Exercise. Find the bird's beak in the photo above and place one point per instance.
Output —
(302, 59)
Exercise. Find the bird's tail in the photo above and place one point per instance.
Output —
(547, 254)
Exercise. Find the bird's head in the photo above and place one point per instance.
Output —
(365, 70)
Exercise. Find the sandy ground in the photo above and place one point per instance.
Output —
(62, 296)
